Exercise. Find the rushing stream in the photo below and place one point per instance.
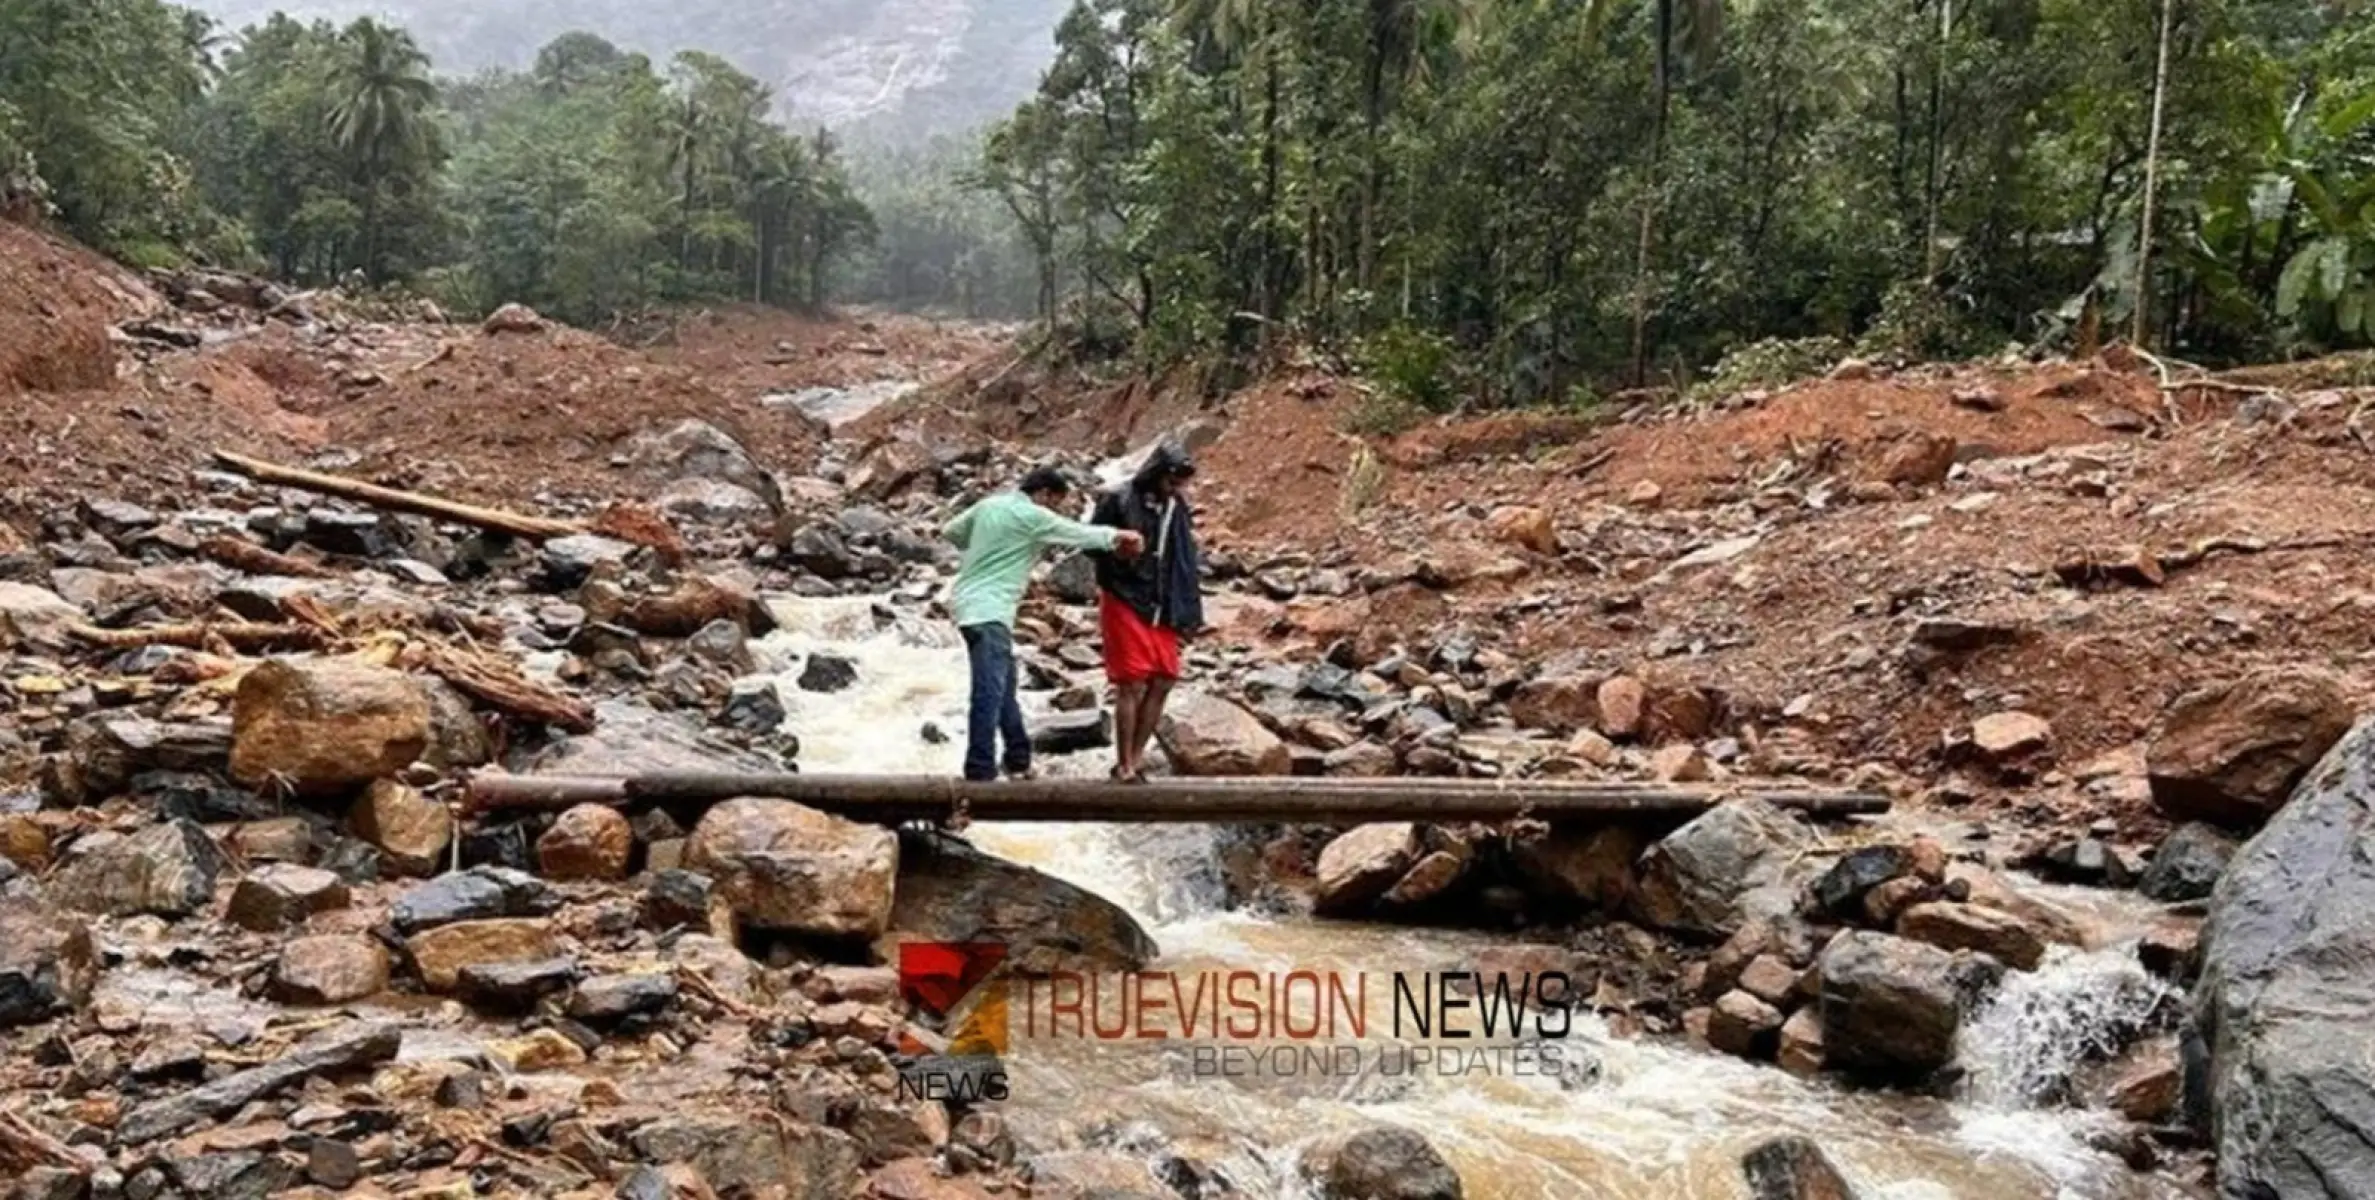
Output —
(1656, 1120)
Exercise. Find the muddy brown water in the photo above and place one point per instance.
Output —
(1646, 1119)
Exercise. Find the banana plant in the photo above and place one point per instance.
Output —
(2328, 286)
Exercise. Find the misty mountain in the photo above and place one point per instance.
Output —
(900, 67)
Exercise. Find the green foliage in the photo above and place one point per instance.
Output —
(1411, 367)
(1770, 363)
(96, 92)
(1496, 173)
(1917, 322)
(589, 186)
(1378, 414)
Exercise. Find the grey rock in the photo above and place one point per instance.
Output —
(281, 895)
(1793, 1168)
(567, 561)
(697, 450)
(609, 1000)
(1696, 879)
(1385, 1164)
(104, 753)
(676, 898)
(948, 891)
(741, 1156)
(1072, 732)
(166, 869)
(828, 673)
(477, 894)
(1891, 1007)
(1840, 890)
(48, 961)
(356, 535)
(2188, 864)
(1074, 579)
(234, 1175)
(2279, 1040)
(345, 1048)
(754, 707)
(820, 551)
(721, 643)
(514, 986)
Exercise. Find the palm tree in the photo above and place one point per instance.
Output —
(379, 112)
(688, 142)
(1250, 27)
(1399, 32)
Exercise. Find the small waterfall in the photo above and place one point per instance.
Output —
(1659, 1122)
(2078, 1006)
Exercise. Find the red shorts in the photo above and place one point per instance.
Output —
(1135, 651)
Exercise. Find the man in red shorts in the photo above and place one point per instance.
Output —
(1148, 603)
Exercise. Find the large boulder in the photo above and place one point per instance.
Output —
(950, 892)
(48, 962)
(1694, 880)
(1891, 1007)
(1203, 734)
(2231, 753)
(325, 726)
(699, 451)
(1358, 865)
(166, 869)
(1592, 868)
(783, 866)
(2279, 1040)
(890, 468)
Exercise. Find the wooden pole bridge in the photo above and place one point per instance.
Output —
(892, 799)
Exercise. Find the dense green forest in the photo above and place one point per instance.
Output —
(1562, 195)
(594, 183)
(1515, 200)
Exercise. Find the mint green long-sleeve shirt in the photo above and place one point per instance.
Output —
(1003, 537)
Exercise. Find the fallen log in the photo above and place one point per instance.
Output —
(24, 1147)
(496, 683)
(892, 799)
(205, 635)
(493, 519)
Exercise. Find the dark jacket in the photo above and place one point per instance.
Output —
(1163, 590)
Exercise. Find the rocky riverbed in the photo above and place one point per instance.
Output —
(252, 942)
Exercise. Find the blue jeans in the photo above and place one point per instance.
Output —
(996, 712)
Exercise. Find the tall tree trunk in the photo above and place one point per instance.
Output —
(1269, 299)
(1650, 196)
(2152, 180)
(1933, 185)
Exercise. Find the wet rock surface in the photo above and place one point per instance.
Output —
(2278, 1037)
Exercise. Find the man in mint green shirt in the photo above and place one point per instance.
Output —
(1003, 538)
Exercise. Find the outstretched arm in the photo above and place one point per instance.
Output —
(1048, 529)
(960, 530)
